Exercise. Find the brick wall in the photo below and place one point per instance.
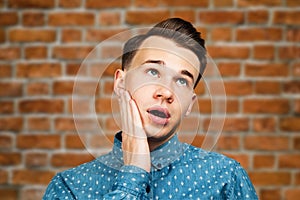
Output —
(255, 45)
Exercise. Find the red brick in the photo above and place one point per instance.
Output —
(37, 88)
(3, 178)
(69, 3)
(203, 3)
(149, 3)
(38, 141)
(229, 69)
(6, 142)
(32, 35)
(224, 17)
(111, 52)
(265, 178)
(35, 52)
(10, 89)
(11, 123)
(146, 17)
(264, 124)
(9, 193)
(293, 34)
(267, 87)
(270, 194)
(292, 194)
(71, 35)
(274, 106)
(290, 124)
(243, 159)
(264, 52)
(289, 161)
(263, 161)
(107, 4)
(188, 15)
(297, 178)
(36, 160)
(286, 17)
(258, 34)
(292, 87)
(289, 52)
(71, 19)
(296, 143)
(266, 143)
(268, 70)
(8, 18)
(71, 52)
(200, 88)
(292, 3)
(2, 35)
(32, 193)
(38, 70)
(5, 70)
(112, 125)
(98, 35)
(258, 16)
(87, 88)
(221, 34)
(223, 3)
(74, 141)
(6, 107)
(39, 123)
(33, 19)
(204, 106)
(25, 177)
(103, 105)
(108, 87)
(70, 159)
(231, 52)
(228, 142)
(101, 141)
(72, 68)
(109, 18)
(82, 106)
(31, 4)
(245, 3)
(230, 124)
(68, 124)
(10, 158)
(238, 88)
(109, 69)
(9, 53)
(41, 106)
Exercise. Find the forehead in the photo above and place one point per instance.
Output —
(159, 48)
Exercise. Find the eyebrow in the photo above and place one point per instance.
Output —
(161, 62)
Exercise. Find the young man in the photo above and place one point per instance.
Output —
(155, 89)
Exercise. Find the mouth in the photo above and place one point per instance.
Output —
(159, 115)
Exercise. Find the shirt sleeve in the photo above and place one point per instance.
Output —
(131, 183)
(58, 190)
(241, 186)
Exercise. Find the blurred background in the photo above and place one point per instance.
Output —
(255, 45)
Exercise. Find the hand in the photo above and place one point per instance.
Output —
(134, 139)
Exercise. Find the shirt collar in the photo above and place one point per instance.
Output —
(161, 156)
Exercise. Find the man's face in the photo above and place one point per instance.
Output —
(160, 79)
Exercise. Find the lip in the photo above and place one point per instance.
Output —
(157, 119)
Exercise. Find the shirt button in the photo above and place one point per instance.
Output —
(159, 165)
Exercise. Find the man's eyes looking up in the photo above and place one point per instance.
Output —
(155, 73)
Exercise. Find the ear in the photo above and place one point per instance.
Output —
(119, 81)
(189, 110)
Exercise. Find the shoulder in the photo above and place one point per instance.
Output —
(209, 159)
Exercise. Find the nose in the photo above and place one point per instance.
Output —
(164, 94)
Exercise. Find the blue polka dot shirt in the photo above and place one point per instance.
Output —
(178, 171)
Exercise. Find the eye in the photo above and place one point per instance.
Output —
(153, 72)
(182, 82)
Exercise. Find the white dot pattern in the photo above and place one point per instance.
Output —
(179, 171)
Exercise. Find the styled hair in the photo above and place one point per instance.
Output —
(178, 30)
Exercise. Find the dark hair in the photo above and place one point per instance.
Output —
(176, 29)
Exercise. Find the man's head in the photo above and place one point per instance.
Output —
(160, 70)
(178, 30)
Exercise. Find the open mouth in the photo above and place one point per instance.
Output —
(159, 115)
